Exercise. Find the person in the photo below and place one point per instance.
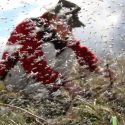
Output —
(42, 49)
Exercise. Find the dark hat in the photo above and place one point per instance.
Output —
(68, 11)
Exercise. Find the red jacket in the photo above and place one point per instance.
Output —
(30, 51)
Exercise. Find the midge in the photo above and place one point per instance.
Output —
(46, 52)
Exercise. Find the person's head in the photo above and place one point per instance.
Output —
(68, 12)
(64, 17)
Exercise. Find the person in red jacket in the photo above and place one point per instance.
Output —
(42, 50)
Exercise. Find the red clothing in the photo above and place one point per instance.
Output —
(30, 50)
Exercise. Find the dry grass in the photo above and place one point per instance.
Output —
(96, 107)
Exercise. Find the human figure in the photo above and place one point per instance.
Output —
(42, 50)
